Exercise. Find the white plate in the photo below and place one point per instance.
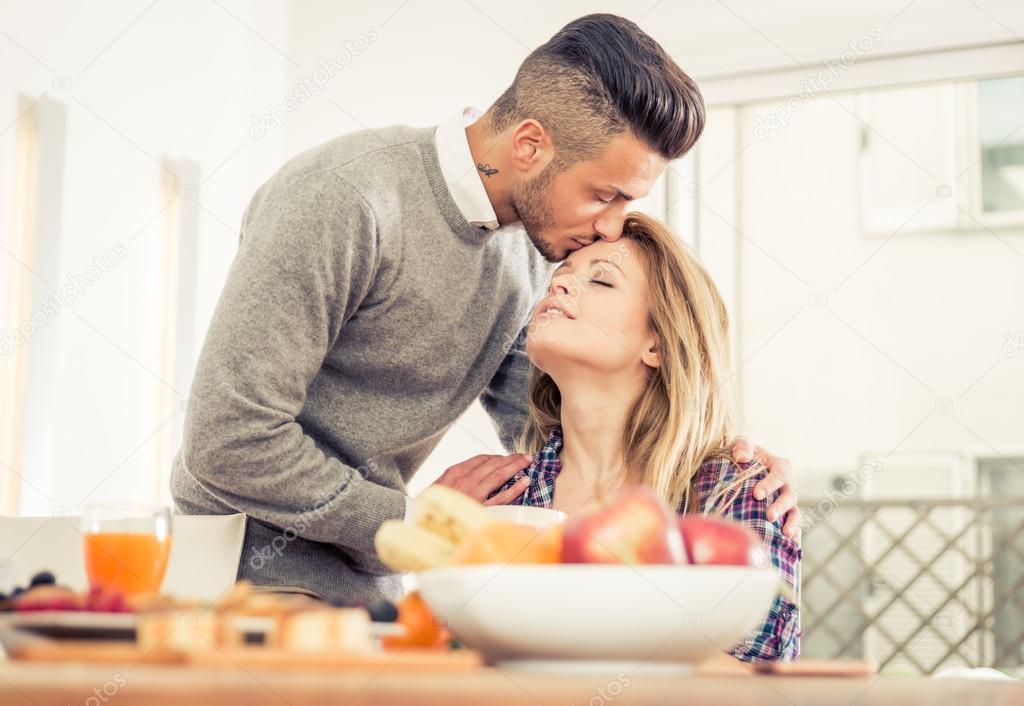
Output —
(89, 623)
(18, 629)
(521, 614)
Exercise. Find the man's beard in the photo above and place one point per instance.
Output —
(532, 203)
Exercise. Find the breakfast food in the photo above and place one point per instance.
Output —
(406, 547)
(449, 513)
(246, 616)
(636, 527)
(44, 594)
(179, 629)
(48, 597)
(422, 627)
(713, 540)
(243, 617)
(381, 611)
(510, 543)
(452, 528)
(326, 629)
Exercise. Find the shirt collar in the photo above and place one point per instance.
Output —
(548, 459)
(460, 172)
(554, 443)
(543, 471)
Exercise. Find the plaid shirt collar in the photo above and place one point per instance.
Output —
(543, 471)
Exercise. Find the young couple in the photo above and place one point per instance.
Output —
(379, 278)
(630, 354)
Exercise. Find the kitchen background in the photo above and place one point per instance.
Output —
(858, 195)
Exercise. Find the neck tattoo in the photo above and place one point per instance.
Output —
(486, 169)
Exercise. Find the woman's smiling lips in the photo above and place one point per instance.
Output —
(554, 309)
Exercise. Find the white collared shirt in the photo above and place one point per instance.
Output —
(460, 172)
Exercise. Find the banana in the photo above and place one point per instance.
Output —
(449, 513)
(406, 547)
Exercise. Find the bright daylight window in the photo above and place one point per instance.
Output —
(1001, 133)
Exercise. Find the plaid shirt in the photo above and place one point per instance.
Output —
(778, 636)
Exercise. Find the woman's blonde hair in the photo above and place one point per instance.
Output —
(683, 417)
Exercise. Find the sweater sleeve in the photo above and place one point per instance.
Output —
(505, 397)
(307, 257)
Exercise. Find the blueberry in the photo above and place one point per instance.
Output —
(43, 578)
(18, 590)
(383, 612)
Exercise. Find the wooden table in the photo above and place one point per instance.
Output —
(144, 685)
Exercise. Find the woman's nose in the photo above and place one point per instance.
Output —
(558, 287)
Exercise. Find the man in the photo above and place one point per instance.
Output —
(379, 282)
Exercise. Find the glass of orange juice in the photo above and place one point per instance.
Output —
(127, 546)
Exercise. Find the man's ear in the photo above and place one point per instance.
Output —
(532, 149)
(651, 357)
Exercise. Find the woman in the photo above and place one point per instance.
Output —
(631, 363)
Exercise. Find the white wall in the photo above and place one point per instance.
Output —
(887, 344)
(141, 81)
(714, 40)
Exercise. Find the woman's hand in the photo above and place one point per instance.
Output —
(780, 477)
(481, 475)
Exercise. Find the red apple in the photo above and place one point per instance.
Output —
(636, 527)
(714, 540)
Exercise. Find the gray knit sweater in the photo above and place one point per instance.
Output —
(361, 316)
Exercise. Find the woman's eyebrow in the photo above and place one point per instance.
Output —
(593, 262)
(603, 260)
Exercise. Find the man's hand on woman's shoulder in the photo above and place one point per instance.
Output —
(481, 475)
(779, 478)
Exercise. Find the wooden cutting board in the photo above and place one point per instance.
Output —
(93, 652)
(413, 659)
(725, 665)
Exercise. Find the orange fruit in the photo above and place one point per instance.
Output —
(422, 628)
(511, 543)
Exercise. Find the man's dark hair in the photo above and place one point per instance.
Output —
(599, 76)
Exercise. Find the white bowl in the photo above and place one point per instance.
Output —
(525, 514)
(600, 613)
